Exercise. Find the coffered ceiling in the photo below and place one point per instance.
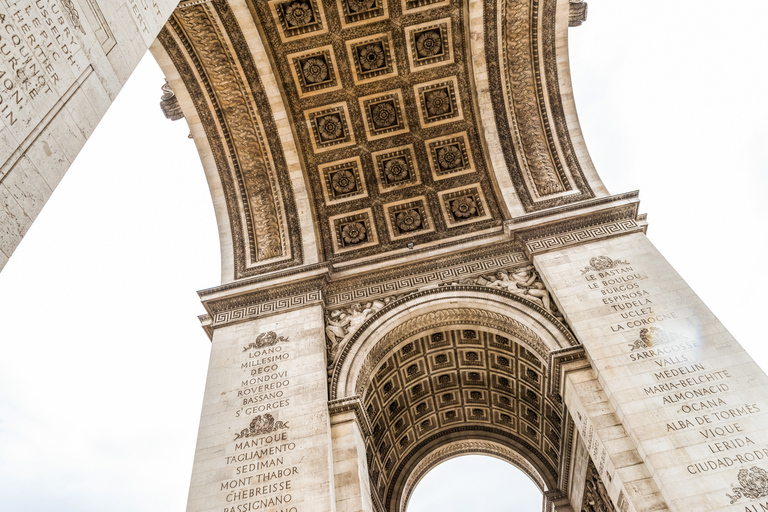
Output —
(344, 130)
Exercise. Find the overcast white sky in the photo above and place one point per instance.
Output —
(103, 361)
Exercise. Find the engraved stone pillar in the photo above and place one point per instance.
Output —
(689, 397)
(265, 436)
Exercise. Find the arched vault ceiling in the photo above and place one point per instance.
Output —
(466, 380)
(373, 122)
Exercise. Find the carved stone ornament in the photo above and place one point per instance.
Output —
(169, 103)
(265, 339)
(577, 14)
(599, 263)
(652, 337)
(595, 496)
(754, 484)
(261, 425)
(234, 99)
(70, 11)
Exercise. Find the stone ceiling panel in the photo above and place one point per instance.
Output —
(375, 80)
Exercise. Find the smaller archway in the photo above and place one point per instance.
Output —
(470, 481)
(453, 371)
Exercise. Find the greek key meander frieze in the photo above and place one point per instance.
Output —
(347, 293)
(582, 235)
(268, 307)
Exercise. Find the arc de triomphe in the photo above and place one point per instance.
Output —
(419, 259)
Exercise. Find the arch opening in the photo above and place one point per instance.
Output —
(475, 482)
(452, 372)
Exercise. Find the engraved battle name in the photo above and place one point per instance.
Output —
(262, 457)
(699, 392)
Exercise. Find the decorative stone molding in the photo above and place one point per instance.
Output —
(265, 302)
(341, 324)
(267, 308)
(425, 274)
(465, 432)
(247, 139)
(435, 319)
(522, 281)
(521, 52)
(169, 104)
(619, 220)
(583, 235)
(352, 403)
(557, 359)
(540, 160)
(577, 13)
(440, 318)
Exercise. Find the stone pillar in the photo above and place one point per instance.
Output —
(602, 438)
(265, 434)
(350, 467)
(62, 65)
(690, 398)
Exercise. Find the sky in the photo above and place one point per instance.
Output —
(103, 361)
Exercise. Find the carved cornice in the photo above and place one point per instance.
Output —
(423, 274)
(265, 302)
(582, 206)
(352, 403)
(557, 359)
(619, 220)
(206, 322)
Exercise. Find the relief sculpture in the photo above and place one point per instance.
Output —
(529, 131)
(596, 498)
(261, 425)
(229, 90)
(521, 281)
(754, 484)
(341, 324)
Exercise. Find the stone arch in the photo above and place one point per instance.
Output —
(439, 454)
(442, 306)
(453, 365)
